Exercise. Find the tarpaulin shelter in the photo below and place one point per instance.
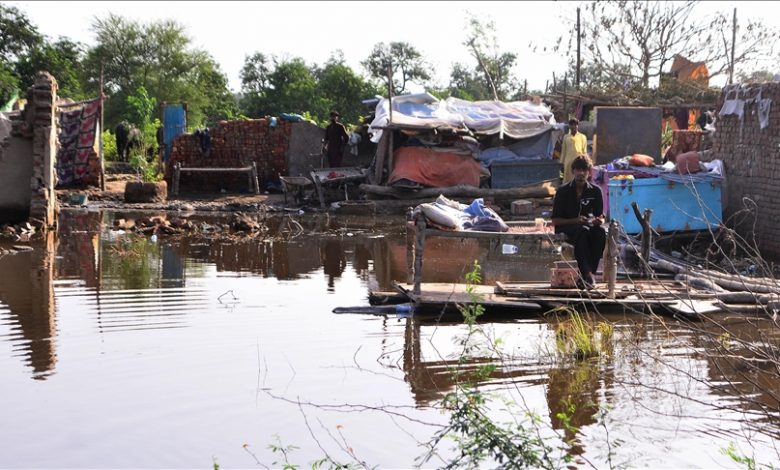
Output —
(423, 115)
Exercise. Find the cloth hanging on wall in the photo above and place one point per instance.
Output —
(78, 131)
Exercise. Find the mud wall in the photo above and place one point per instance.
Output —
(751, 157)
(235, 144)
(28, 155)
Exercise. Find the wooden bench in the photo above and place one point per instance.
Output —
(251, 172)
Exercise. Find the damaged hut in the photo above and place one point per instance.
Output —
(458, 146)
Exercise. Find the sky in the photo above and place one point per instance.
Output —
(230, 31)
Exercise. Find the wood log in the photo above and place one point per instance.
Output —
(542, 190)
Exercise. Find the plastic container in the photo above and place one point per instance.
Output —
(508, 249)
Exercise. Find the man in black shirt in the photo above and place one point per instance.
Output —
(578, 211)
(336, 138)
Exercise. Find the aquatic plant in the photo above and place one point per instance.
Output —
(580, 337)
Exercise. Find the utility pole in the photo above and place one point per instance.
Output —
(733, 42)
(390, 90)
(578, 49)
(100, 137)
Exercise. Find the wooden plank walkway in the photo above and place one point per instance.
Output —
(658, 296)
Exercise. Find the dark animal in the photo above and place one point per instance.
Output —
(127, 137)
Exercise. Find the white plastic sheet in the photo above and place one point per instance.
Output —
(517, 119)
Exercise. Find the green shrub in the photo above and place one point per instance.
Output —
(110, 152)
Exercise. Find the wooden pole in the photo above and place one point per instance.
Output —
(733, 42)
(100, 152)
(525, 89)
(419, 243)
(610, 265)
(390, 91)
(647, 236)
(565, 110)
(410, 237)
(578, 48)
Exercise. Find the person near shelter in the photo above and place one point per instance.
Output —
(578, 212)
(574, 143)
(336, 138)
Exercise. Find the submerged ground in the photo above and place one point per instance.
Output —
(123, 351)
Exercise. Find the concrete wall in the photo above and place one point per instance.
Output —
(27, 174)
(15, 174)
(751, 157)
(305, 140)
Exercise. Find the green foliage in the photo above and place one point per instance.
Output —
(492, 76)
(146, 171)
(581, 337)
(17, 37)
(406, 62)
(731, 452)
(9, 84)
(63, 59)
(271, 86)
(134, 263)
(479, 437)
(159, 57)
(110, 152)
(17, 34)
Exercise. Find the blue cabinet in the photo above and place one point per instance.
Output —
(687, 204)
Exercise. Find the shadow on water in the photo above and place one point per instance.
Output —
(131, 283)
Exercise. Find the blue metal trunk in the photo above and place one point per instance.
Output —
(692, 205)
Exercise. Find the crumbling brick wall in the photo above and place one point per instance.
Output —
(751, 156)
(234, 144)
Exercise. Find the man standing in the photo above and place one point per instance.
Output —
(574, 144)
(578, 211)
(336, 138)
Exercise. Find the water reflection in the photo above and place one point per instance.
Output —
(105, 282)
(27, 289)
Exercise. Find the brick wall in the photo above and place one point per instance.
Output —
(751, 157)
(233, 144)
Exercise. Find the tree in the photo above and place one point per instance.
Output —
(468, 84)
(495, 66)
(755, 41)
(342, 89)
(757, 76)
(406, 62)
(271, 86)
(17, 36)
(63, 59)
(158, 57)
(636, 40)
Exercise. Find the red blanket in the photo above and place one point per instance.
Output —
(436, 169)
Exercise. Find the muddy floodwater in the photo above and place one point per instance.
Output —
(119, 351)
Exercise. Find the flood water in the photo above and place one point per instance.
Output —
(123, 352)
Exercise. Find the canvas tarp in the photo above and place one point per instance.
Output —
(434, 168)
(517, 119)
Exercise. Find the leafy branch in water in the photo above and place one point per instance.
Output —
(477, 435)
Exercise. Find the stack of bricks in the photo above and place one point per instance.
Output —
(234, 144)
(751, 157)
(41, 98)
